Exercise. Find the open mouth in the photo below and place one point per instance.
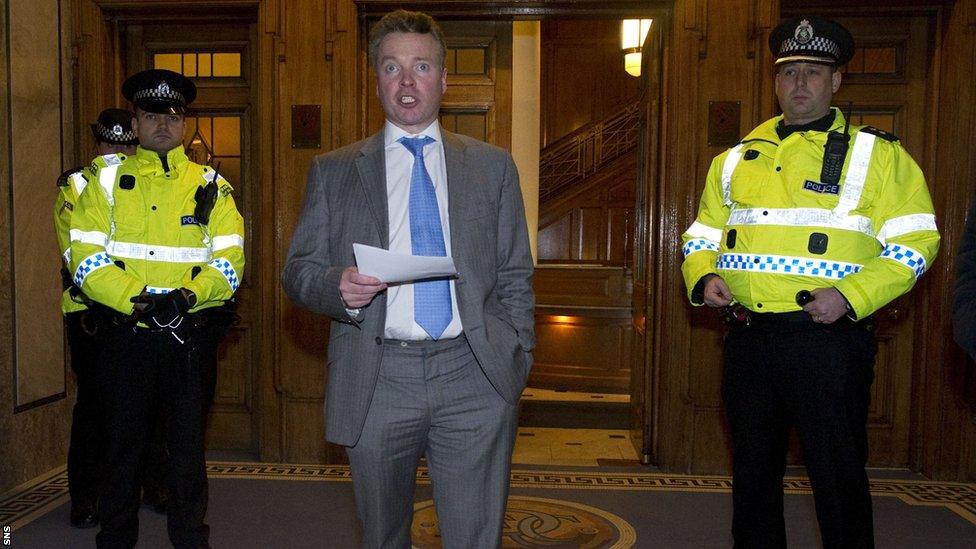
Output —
(408, 100)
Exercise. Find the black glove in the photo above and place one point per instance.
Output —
(163, 310)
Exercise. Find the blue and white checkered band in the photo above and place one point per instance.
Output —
(90, 264)
(816, 45)
(699, 244)
(787, 265)
(803, 32)
(907, 257)
(114, 135)
(227, 270)
(162, 91)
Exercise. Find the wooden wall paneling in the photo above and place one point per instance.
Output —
(583, 328)
(96, 80)
(304, 77)
(571, 47)
(945, 424)
(268, 417)
(592, 221)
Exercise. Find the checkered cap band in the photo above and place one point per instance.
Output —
(816, 45)
(159, 93)
(115, 134)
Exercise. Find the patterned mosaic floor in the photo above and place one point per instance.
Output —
(30, 501)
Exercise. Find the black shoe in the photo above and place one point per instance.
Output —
(84, 515)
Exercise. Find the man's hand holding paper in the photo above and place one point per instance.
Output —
(391, 267)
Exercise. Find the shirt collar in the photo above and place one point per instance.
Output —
(392, 133)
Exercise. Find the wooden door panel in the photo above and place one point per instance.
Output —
(885, 85)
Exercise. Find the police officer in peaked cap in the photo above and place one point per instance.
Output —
(805, 228)
(159, 243)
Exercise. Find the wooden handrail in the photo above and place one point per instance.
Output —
(581, 153)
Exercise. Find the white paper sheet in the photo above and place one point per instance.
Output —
(392, 267)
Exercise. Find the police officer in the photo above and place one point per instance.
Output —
(806, 228)
(159, 240)
(113, 134)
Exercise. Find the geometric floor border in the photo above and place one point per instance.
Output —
(21, 505)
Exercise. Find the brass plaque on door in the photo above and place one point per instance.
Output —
(306, 126)
(723, 123)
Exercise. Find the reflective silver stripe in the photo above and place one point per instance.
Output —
(801, 217)
(166, 254)
(781, 264)
(701, 230)
(906, 256)
(209, 176)
(226, 241)
(66, 255)
(79, 182)
(727, 168)
(106, 178)
(905, 224)
(857, 172)
(158, 290)
(96, 238)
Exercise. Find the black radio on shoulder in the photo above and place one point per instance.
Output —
(835, 151)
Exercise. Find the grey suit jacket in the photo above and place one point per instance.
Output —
(346, 202)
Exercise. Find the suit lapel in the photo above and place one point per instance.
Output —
(372, 175)
(456, 195)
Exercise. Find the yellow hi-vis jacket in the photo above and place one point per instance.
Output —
(69, 189)
(769, 227)
(134, 228)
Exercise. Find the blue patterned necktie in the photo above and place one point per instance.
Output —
(431, 299)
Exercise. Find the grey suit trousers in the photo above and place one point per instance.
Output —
(433, 399)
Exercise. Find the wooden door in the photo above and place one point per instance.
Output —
(644, 379)
(218, 58)
(885, 86)
(478, 101)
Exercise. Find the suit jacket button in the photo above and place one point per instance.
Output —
(378, 340)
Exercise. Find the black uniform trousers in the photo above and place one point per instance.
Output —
(87, 439)
(785, 370)
(139, 371)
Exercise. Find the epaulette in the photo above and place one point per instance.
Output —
(880, 133)
(63, 178)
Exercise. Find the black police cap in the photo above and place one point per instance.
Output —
(115, 126)
(812, 40)
(159, 91)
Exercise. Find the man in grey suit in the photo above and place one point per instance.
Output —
(430, 368)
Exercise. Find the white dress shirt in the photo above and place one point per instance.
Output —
(399, 164)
